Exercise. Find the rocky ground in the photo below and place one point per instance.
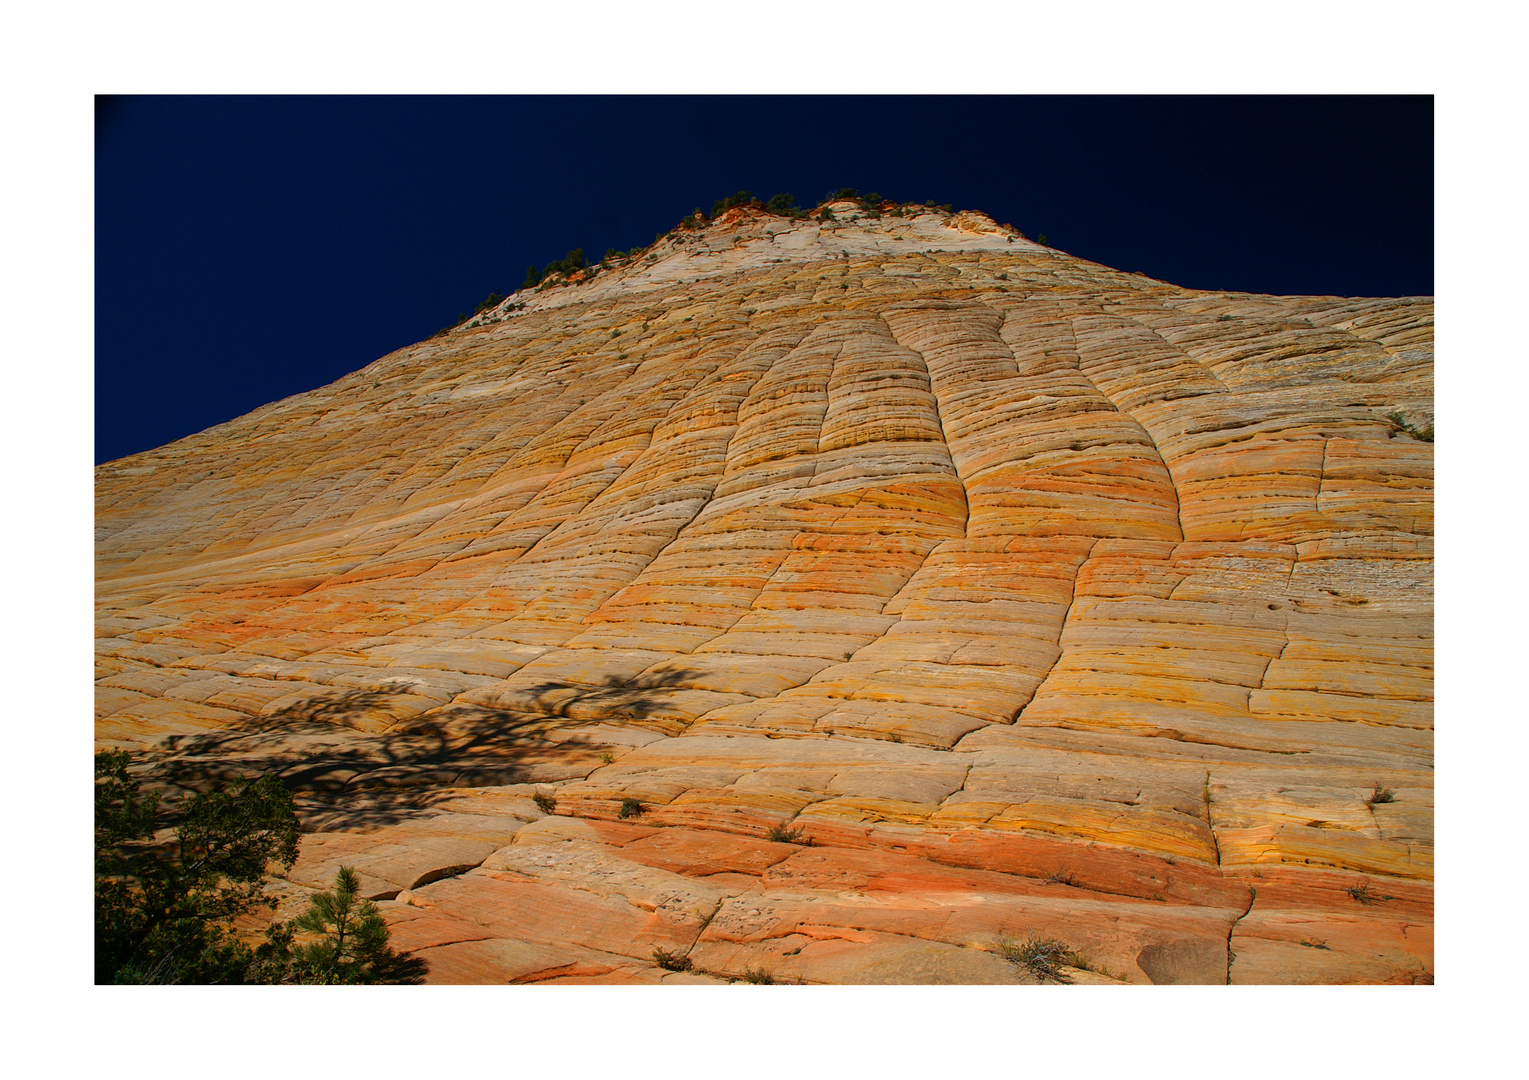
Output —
(842, 601)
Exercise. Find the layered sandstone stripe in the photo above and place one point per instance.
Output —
(1040, 597)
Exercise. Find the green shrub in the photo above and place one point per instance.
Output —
(544, 802)
(871, 204)
(758, 976)
(1381, 795)
(741, 198)
(631, 808)
(781, 834)
(783, 204)
(164, 911)
(568, 264)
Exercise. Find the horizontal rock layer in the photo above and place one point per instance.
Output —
(1041, 598)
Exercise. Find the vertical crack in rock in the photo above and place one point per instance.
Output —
(1177, 350)
(940, 420)
(1321, 476)
(735, 472)
(571, 449)
(817, 445)
(1231, 931)
(1058, 331)
(773, 575)
(1061, 632)
(1264, 678)
(683, 389)
(593, 404)
(1209, 822)
(777, 346)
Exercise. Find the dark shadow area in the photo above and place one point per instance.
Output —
(616, 699)
(403, 969)
(351, 759)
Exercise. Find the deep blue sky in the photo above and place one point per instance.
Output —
(248, 248)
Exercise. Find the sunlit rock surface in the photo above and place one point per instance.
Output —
(1043, 599)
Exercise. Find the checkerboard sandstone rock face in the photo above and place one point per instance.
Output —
(1041, 598)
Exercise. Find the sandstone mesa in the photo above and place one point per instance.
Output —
(1041, 598)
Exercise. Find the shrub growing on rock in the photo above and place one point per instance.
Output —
(741, 198)
(783, 204)
(1043, 957)
(672, 961)
(782, 834)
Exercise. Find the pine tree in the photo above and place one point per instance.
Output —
(352, 945)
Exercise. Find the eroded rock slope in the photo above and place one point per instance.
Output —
(1040, 597)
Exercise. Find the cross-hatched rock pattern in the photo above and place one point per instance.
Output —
(836, 599)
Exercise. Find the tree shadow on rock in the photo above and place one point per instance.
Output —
(355, 758)
(617, 699)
